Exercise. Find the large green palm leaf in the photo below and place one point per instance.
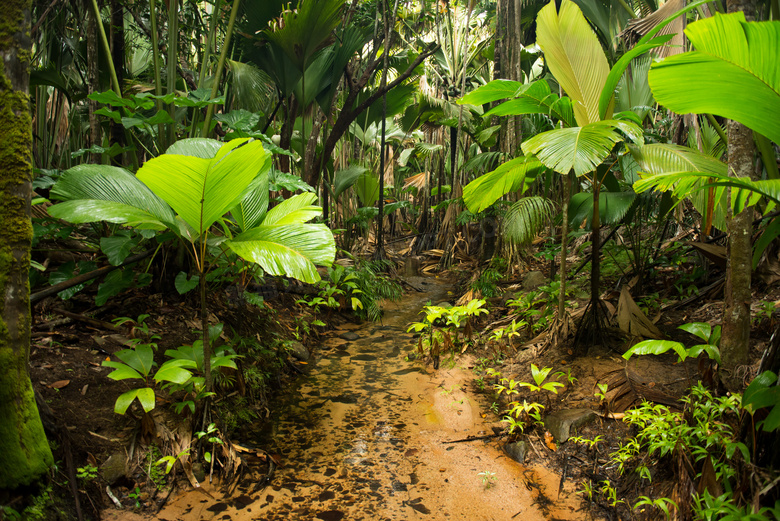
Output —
(516, 174)
(661, 158)
(203, 190)
(290, 250)
(526, 218)
(580, 148)
(734, 73)
(575, 57)
(107, 193)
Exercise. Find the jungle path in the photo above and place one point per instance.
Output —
(362, 437)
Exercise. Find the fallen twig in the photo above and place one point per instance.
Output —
(113, 498)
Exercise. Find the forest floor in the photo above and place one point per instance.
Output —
(67, 372)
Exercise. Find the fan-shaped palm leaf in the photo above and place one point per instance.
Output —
(575, 57)
(107, 193)
(295, 210)
(580, 148)
(203, 190)
(731, 62)
(516, 174)
(613, 206)
(345, 178)
(661, 158)
(290, 250)
(253, 88)
(526, 218)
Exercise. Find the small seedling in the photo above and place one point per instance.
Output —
(488, 478)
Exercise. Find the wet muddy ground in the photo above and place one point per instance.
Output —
(364, 436)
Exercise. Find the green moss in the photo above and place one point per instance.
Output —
(25, 455)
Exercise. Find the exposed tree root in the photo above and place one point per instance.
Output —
(592, 327)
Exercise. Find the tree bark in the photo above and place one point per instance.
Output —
(509, 42)
(24, 451)
(735, 340)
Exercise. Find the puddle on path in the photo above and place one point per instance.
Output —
(362, 439)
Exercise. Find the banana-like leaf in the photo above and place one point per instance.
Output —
(203, 190)
(290, 250)
(613, 206)
(516, 174)
(660, 158)
(580, 148)
(295, 210)
(733, 60)
(102, 192)
(575, 57)
(526, 218)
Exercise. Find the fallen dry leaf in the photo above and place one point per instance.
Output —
(549, 441)
(59, 384)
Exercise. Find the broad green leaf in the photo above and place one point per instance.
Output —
(516, 174)
(712, 352)
(752, 395)
(113, 193)
(141, 358)
(147, 398)
(283, 180)
(121, 371)
(196, 147)
(251, 210)
(656, 347)
(580, 148)
(536, 98)
(620, 67)
(92, 210)
(575, 57)
(295, 210)
(114, 284)
(172, 371)
(124, 401)
(699, 329)
(117, 248)
(662, 158)
(345, 178)
(202, 190)
(183, 284)
(731, 62)
(492, 91)
(613, 206)
(287, 250)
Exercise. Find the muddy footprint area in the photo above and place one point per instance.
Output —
(364, 435)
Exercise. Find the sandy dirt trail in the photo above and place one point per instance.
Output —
(363, 438)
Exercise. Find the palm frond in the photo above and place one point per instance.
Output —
(289, 250)
(516, 174)
(580, 148)
(575, 57)
(526, 218)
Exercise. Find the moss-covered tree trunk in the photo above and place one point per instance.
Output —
(24, 451)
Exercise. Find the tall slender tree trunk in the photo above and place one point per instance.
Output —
(92, 85)
(735, 341)
(24, 451)
(509, 43)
